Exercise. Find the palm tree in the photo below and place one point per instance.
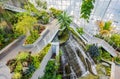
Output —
(65, 20)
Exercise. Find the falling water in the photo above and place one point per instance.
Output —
(80, 62)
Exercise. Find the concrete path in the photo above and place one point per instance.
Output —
(53, 29)
(93, 40)
(115, 71)
(13, 8)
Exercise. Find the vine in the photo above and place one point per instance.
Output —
(86, 9)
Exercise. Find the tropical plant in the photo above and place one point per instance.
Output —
(65, 20)
(19, 67)
(16, 75)
(30, 7)
(80, 30)
(35, 61)
(105, 27)
(43, 52)
(28, 73)
(117, 60)
(105, 55)
(94, 51)
(41, 4)
(51, 71)
(55, 12)
(115, 38)
(43, 17)
(32, 38)
(23, 56)
(25, 24)
(86, 8)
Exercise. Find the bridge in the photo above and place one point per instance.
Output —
(94, 40)
(13, 8)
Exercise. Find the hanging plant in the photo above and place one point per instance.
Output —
(86, 8)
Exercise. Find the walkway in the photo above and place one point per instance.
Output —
(13, 8)
(115, 71)
(93, 40)
(53, 29)
(40, 71)
(47, 37)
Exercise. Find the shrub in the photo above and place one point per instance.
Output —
(105, 55)
(32, 38)
(35, 61)
(16, 75)
(50, 70)
(80, 30)
(94, 52)
(55, 12)
(117, 60)
(19, 67)
(23, 56)
(43, 17)
(43, 52)
(28, 73)
(25, 24)
(115, 38)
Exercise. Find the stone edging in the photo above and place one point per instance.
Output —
(11, 44)
(40, 71)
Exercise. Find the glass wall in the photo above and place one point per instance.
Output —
(103, 10)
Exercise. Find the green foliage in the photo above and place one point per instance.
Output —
(94, 51)
(30, 7)
(43, 17)
(86, 8)
(105, 55)
(41, 4)
(117, 60)
(23, 56)
(32, 38)
(80, 30)
(19, 67)
(16, 75)
(107, 25)
(43, 52)
(35, 61)
(51, 71)
(28, 73)
(55, 12)
(63, 36)
(25, 24)
(6, 37)
(115, 38)
(65, 20)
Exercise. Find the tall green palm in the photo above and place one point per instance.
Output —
(65, 20)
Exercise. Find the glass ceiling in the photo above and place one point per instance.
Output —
(103, 10)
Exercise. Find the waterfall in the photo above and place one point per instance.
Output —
(80, 63)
